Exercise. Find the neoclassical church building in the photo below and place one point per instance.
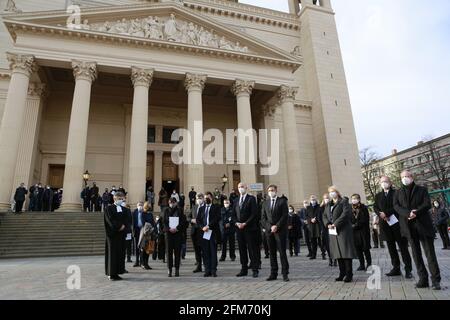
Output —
(104, 87)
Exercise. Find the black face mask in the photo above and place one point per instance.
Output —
(208, 201)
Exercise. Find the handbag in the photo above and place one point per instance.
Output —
(150, 247)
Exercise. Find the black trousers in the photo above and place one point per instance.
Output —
(19, 206)
(307, 239)
(247, 249)
(443, 232)
(325, 239)
(209, 251)
(265, 244)
(136, 249)
(395, 237)
(173, 249)
(428, 247)
(259, 241)
(363, 253)
(160, 248)
(229, 239)
(294, 245)
(314, 245)
(277, 242)
(129, 244)
(197, 244)
(144, 257)
(345, 267)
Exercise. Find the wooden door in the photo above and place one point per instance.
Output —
(56, 175)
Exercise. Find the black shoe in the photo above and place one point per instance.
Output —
(136, 265)
(116, 278)
(309, 255)
(422, 284)
(272, 278)
(348, 279)
(394, 273)
(324, 257)
(339, 279)
(361, 268)
(330, 262)
(147, 267)
(312, 258)
(125, 271)
(267, 257)
(436, 286)
(242, 274)
(408, 275)
(177, 273)
(382, 247)
(129, 261)
(255, 274)
(198, 270)
(214, 274)
(233, 259)
(170, 273)
(207, 274)
(285, 278)
(222, 259)
(375, 247)
(296, 254)
(335, 264)
(291, 254)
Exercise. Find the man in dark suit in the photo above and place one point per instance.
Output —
(412, 203)
(384, 208)
(196, 234)
(275, 222)
(19, 197)
(245, 214)
(208, 221)
(192, 197)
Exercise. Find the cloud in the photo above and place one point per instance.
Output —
(396, 57)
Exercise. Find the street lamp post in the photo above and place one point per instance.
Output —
(86, 177)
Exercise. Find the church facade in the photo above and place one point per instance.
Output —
(103, 85)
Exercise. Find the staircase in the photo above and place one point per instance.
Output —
(51, 234)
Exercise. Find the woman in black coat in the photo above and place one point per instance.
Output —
(337, 219)
(312, 215)
(361, 232)
(441, 222)
(174, 236)
(325, 239)
(294, 232)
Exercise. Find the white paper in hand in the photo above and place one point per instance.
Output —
(174, 222)
(207, 235)
(332, 232)
(392, 220)
(128, 236)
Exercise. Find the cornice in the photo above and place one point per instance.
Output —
(15, 26)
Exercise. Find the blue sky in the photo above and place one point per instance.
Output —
(397, 61)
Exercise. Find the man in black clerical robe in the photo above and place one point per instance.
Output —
(116, 219)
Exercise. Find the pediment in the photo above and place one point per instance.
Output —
(167, 23)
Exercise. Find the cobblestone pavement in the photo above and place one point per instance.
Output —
(46, 278)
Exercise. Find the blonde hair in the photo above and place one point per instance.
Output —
(147, 206)
(334, 188)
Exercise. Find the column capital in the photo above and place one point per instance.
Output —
(36, 89)
(195, 81)
(83, 70)
(141, 77)
(286, 93)
(22, 63)
(242, 86)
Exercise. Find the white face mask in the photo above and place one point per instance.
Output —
(436, 204)
(385, 185)
(291, 211)
(333, 195)
(272, 194)
(119, 202)
(140, 208)
(406, 181)
(199, 202)
(172, 205)
(226, 205)
(355, 201)
(326, 201)
(313, 202)
(242, 190)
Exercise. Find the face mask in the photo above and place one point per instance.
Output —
(119, 202)
(140, 208)
(199, 202)
(226, 205)
(385, 185)
(406, 181)
(242, 190)
(333, 195)
(314, 202)
(305, 205)
(291, 211)
(208, 201)
(355, 201)
(272, 194)
(326, 201)
(172, 205)
(436, 204)
(48, 188)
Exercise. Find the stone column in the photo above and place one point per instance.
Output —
(157, 183)
(137, 164)
(286, 96)
(194, 175)
(85, 73)
(22, 66)
(27, 152)
(242, 90)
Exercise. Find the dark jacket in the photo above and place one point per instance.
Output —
(214, 220)
(174, 212)
(342, 246)
(147, 217)
(385, 204)
(193, 215)
(361, 226)
(276, 217)
(296, 231)
(441, 216)
(410, 198)
(114, 220)
(20, 194)
(311, 213)
(247, 214)
(227, 218)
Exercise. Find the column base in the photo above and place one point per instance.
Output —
(5, 207)
(70, 207)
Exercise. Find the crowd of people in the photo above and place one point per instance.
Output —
(41, 198)
(337, 225)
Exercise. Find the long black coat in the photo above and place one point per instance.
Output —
(361, 226)
(182, 224)
(247, 214)
(385, 204)
(214, 220)
(115, 239)
(420, 201)
(20, 194)
(276, 217)
(311, 213)
(342, 246)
